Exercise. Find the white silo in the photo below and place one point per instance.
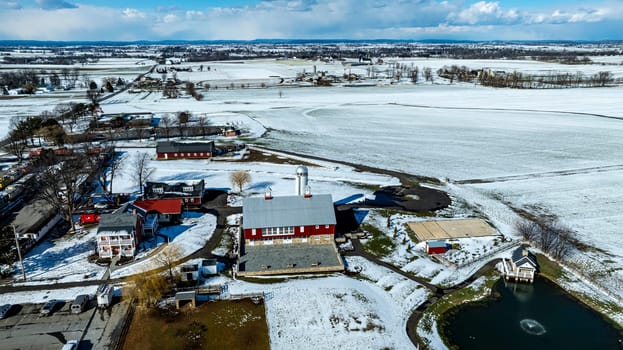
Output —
(301, 180)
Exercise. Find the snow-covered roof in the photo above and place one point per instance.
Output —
(283, 211)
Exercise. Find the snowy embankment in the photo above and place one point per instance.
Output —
(339, 312)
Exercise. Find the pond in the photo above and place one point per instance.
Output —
(535, 316)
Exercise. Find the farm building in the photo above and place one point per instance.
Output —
(288, 219)
(117, 235)
(190, 192)
(289, 234)
(521, 267)
(436, 247)
(154, 212)
(184, 150)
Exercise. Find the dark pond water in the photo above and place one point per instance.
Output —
(536, 317)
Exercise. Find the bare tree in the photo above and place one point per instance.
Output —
(168, 258)
(141, 172)
(202, 122)
(428, 74)
(240, 178)
(182, 121)
(105, 163)
(63, 185)
(166, 123)
(17, 138)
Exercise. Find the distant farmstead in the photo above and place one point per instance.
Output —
(184, 150)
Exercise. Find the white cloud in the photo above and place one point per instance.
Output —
(411, 19)
(194, 15)
(134, 14)
(484, 12)
(170, 18)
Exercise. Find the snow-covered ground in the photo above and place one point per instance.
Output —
(338, 312)
(339, 181)
(554, 151)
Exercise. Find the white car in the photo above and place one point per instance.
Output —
(71, 345)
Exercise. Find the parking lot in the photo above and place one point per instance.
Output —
(26, 329)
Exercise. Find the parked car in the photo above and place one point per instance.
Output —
(79, 304)
(4, 310)
(71, 345)
(49, 307)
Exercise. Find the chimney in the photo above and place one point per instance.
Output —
(524, 252)
(268, 195)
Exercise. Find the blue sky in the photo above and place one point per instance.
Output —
(311, 19)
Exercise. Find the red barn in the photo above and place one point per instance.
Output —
(436, 247)
(288, 219)
(184, 150)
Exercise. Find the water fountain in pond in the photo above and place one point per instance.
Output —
(532, 327)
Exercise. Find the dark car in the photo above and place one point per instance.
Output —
(49, 307)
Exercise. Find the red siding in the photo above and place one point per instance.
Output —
(183, 155)
(306, 232)
(435, 250)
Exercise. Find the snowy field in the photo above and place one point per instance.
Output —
(324, 177)
(546, 151)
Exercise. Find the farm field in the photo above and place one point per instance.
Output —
(499, 151)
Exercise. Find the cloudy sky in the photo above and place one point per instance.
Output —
(310, 19)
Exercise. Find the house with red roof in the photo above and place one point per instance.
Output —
(154, 212)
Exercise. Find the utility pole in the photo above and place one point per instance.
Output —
(19, 253)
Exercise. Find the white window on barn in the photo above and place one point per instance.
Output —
(175, 154)
(317, 227)
(253, 232)
(158, 190)
(302, 229)
(195, 154)
(187, 189)
(326, 226)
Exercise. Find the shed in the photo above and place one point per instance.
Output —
(185, 296)
(436, 247)
(189, 272)
(208, 267)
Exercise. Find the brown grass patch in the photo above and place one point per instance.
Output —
(218, 325)
(259, 156)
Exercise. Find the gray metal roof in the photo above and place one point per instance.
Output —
(286, 211)
(117, 222)
(518, 256)
(33, 216)
(196, 146)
